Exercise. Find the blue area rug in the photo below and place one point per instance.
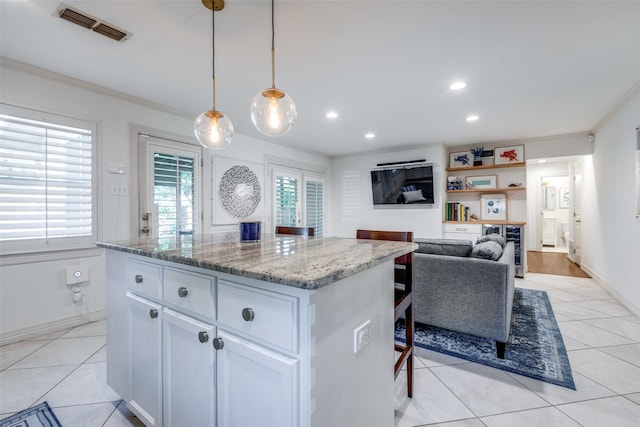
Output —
(36, 416)
(535, 348)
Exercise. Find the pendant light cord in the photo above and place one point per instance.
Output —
(213, 54)
(273, 49)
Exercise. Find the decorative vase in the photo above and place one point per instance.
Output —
(477, 161)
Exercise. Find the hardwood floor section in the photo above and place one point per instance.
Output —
(553, 263)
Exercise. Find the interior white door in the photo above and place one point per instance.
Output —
(575, 231)
(170, 188)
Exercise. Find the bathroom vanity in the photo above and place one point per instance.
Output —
(289, 331)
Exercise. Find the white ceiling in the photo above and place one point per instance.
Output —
(533, 68)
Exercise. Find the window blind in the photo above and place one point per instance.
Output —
(173, 194)
(46, 179)
(314, 206)
(286, 195)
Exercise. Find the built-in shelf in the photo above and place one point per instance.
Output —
(480, 221)
(468, 168)
(487, 190)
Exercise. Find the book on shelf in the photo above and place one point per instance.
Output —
(456, 211)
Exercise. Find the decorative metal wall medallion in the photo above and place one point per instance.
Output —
(240, 191)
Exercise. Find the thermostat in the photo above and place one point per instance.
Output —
(77, 274)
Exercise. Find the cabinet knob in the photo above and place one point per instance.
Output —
(182, 292)
(218, 343)
(247, 314)
(153, 313)
(138, 278)
(203, 336)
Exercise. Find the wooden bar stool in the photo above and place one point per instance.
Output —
(298, 231)
(403, 298)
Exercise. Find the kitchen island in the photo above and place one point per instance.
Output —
(289, 331)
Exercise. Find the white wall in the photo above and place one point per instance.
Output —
(33, 293)
(611, 241)
(352, 203)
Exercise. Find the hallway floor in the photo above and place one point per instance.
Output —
(67, 369)
(553, 263)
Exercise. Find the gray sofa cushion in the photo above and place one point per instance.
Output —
(492, 238)
(487, 250)
(452, 247)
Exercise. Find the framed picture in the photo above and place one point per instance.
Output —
(482, 182)
(462, 159)
(511, 154)
(563, 202)
(493, 207)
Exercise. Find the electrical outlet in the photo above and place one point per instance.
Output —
(361, 336)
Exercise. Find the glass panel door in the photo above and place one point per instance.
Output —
(170, 190)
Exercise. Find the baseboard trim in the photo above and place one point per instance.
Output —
(634, 309)
(50, 327)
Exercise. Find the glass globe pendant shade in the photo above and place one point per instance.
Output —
(273, 112)
(213, 130)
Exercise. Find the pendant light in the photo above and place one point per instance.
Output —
(272, 110)
(213, 129)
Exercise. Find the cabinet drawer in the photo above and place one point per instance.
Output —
(144, 278)
(463, 228)
(265, 316)
(190, 291)
(462, 231)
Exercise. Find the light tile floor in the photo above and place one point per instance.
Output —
(67, 369)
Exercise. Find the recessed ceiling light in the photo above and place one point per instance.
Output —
(457, 85)
(370, 135)
(332, 115)
(542, 161)
(472, 118)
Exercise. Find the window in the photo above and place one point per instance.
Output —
(173, 194)
(298, 199)
(287, 209)
(47, 178)
(314, 204)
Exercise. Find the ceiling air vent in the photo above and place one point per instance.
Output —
(85, 20)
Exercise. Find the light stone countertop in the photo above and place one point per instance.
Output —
(302, 262)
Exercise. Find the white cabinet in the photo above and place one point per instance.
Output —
(284, 355)
(461, 231)
(256, 386)
(174, 375)
(549, 233)
(145, 364)
(188, 371)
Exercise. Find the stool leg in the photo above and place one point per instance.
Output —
(409, 339)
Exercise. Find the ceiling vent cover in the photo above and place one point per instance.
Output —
(87, 21)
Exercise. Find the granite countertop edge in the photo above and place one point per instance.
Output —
(311, 284)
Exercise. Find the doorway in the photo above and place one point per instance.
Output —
(169, 197)
(554, 213)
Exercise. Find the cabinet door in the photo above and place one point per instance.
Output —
(189, 371)
(145, 366)
(256, 387)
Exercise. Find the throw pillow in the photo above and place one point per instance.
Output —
(452, 247)
(413, 196)
(487, 250)
(492, 238)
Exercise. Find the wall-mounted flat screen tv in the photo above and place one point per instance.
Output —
(402, 185)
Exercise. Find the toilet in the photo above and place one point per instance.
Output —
(564, 233)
